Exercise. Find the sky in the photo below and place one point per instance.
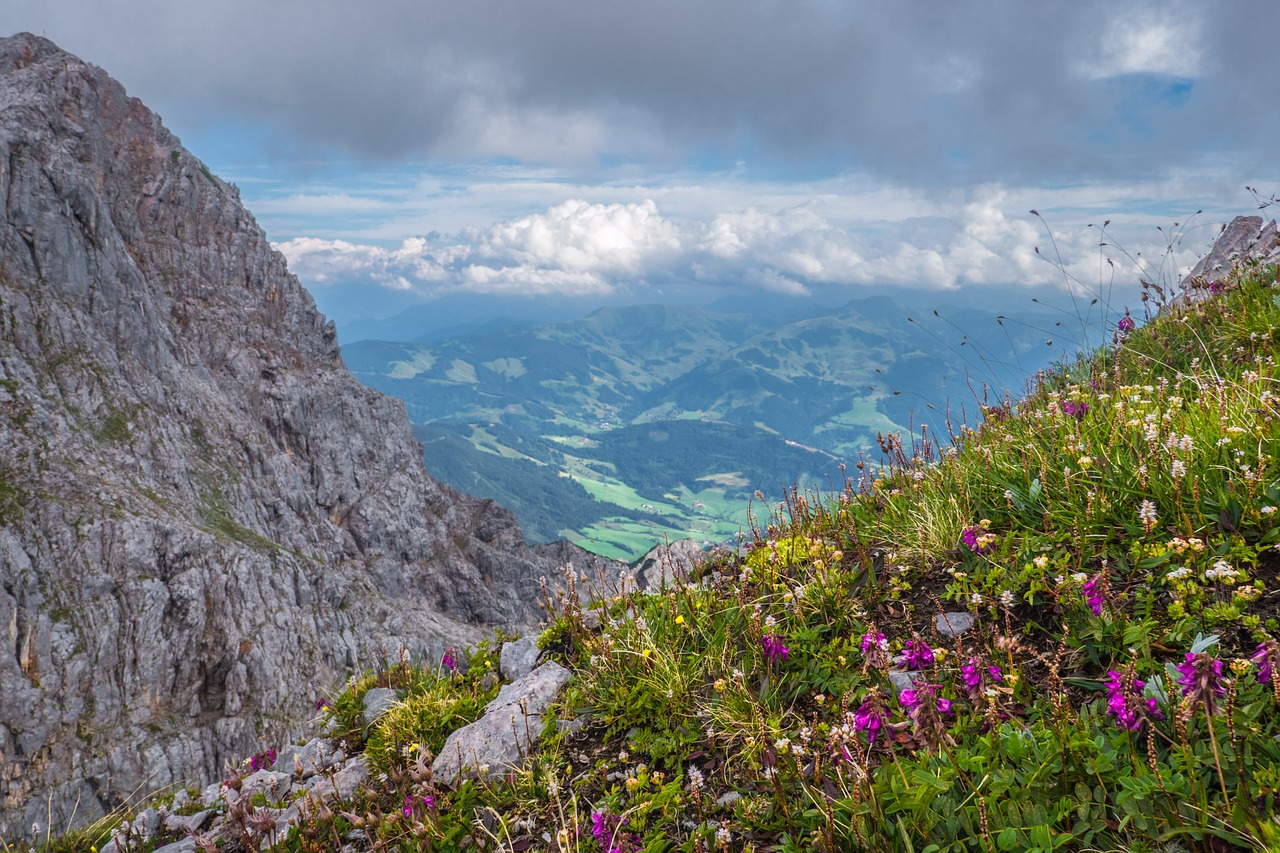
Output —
(676, 150)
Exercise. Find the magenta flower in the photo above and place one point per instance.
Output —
(869, 718)
(1201, 681)
(1265, 658)
(262, 760)
(773, 648)
(607, 830)
(1126, 324)
(873, 640)
(973, 674)
(1093, 594)
(970, 538)
(916, 654)
(1075, 410)
(1127, 704)
(449, 662)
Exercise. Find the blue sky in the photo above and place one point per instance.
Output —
(408, 149)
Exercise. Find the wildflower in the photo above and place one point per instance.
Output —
(1093, 593)
(916, 654)
(723, 837)
(1126, 703)
(773, 648)
(1075, 410)
(1125, 324)
(696, 778)
(1147, 515)
(873, 640)
(449, 662)
(869, 718)
(1201, 681)
(1006, 598)
(973, 674)
(1177, 470)
(978, 539)
(322, 704)
(1265, 659)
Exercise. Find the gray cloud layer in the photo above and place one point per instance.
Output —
(922, 93)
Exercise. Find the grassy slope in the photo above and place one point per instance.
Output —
(1116, 524)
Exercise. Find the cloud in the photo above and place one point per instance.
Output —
(580, 248)
(967, 94)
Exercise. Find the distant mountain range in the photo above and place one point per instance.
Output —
(640, 423)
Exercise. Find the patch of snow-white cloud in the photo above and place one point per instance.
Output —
(581, 248)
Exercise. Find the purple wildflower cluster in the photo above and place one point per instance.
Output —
(1265, 658)
(870, 717)
(875, 648)
(921, 693)
(450, 661)
(1126, 324)
(973, 675)
(1201, 681)
(977, 538)
(262, 760)
(774, 650)
(1075, 410)
(916, 654)
(410, 803)
(1126, 703)
(1094, 591)
(607, 828)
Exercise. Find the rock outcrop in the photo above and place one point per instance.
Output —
(203, 517)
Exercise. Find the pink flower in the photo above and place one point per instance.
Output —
(449, 662)
(916, 654)
(1093, 594)
(1126, 703)
(773, 648)
(869, 718)
(1201, 680)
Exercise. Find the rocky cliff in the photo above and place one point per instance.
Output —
(203, 517)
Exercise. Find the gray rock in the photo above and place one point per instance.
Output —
(503, 736)
(186, 845)
(518, 658)
(1244, 239)
(591, 620)
(180, 799)
(309, 759)
(902, 680)
(377, 701)
(147, 822)
(659, 568)
(187, 823)
(272, 784)
(953, 624)
(207, 511)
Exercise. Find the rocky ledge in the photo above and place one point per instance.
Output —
(203, 517)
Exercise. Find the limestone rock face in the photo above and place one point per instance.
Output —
(203, 517)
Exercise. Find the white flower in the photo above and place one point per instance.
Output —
(1266, 510)
(723, 836)
(1179, 573)
(976, 598)
(1006, 598)
(1177, 469)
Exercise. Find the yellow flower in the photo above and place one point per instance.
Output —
(1085, 462)
(680, 620)
(720, 684)
(647, 653)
